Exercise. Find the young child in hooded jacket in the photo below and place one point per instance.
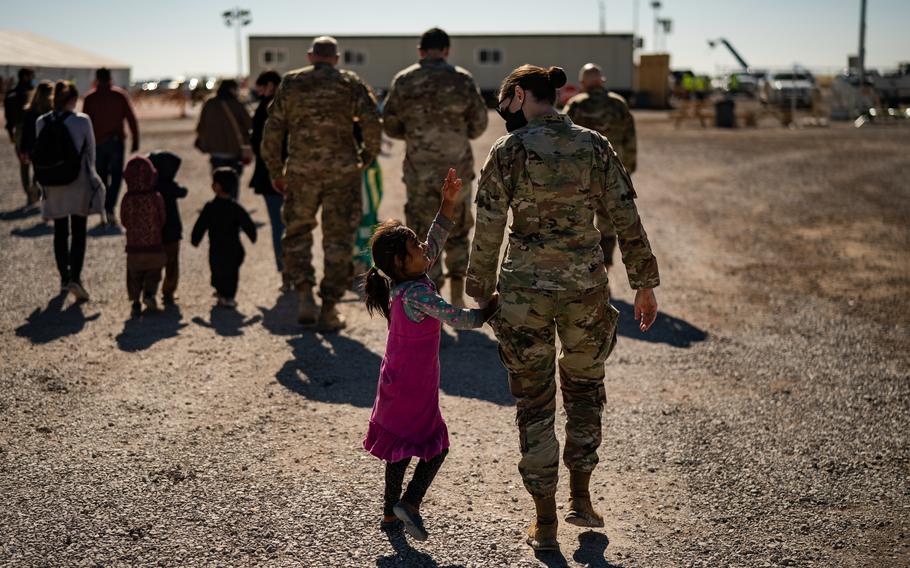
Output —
(406, 421)
(142, 215)
(167, 165)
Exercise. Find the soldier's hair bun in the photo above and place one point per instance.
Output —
(556, 76)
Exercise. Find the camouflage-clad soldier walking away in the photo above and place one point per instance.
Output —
(607, 113)
(554, 176)
(436, 108)
(317, 107)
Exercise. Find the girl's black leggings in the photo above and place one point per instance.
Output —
(69, 255)
(417, 488)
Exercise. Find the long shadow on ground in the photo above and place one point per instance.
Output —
(471, 368)
(666, 329)
(592, 547)
(54, 322)
(20, 213)
(140, 333)
(227, 322)
(405, 555)
(331, 368)
(39, 229)
(281, 319)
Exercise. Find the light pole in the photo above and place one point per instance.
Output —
(602, 12)
(237, 18)
(655, 5)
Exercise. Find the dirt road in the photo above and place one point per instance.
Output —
(762, 422)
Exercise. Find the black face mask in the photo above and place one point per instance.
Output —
(514, 120)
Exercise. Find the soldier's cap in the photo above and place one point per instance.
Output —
(324, 46)
(589, 68)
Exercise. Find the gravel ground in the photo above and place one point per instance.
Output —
(762, 422)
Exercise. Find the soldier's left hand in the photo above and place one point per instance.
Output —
(645, 308)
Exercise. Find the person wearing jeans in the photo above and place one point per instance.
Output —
(109, 165)
(108, 106)
(261, 182)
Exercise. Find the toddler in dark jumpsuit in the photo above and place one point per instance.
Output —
(223, 219)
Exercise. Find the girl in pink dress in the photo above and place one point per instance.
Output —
(406, 420)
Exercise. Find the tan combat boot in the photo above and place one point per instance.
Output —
(329, 318)
(457, 292)
(542, 534)
(307, 310)
(581, 511)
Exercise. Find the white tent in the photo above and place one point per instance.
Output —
(53, 61)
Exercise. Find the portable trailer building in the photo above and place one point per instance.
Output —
(376, 59)
(54, 61)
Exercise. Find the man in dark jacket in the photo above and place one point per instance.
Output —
(261, 182)
(14, 110)
(167, 165)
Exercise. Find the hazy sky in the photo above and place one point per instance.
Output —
(170, 37)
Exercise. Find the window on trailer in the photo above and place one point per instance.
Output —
(353, 57)
(271, 56)
(489, 56)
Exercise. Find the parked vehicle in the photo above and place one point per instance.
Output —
(785, 88)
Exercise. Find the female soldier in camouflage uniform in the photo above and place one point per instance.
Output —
(555, 176)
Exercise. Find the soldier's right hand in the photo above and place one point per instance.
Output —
(278, 185)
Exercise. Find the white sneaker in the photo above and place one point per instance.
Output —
(78, 291)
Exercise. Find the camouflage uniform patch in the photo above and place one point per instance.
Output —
(607, 113)
(317, 108)
(436, 109)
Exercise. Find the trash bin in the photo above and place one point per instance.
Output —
(724, 114)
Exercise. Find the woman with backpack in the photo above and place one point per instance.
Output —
(64, 162)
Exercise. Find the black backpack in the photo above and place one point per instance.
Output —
(56, 160)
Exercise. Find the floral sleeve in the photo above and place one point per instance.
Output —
(420, 300)
(436, 237)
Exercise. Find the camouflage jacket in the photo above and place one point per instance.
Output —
(607, 113)
(436, 108)
(555, 176)
(316, 107)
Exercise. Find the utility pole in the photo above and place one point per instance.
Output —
(238, 18)
(602, 11)
(862, 43)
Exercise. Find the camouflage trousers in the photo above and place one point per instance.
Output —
(423, 203)
(527, 326)
(340, 200)
(607, 239)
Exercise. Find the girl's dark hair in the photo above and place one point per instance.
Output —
(64, 93)
(541, 82)
(389, 242)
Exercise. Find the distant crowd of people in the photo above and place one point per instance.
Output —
(315, 131)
